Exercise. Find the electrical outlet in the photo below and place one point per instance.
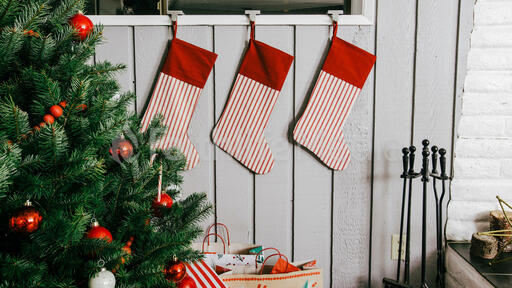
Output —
(395, 241)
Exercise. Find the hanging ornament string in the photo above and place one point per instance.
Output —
(253, 30)
(159, 197)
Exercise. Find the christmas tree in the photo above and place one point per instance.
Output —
(69, 146)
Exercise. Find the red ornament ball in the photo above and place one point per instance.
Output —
(48, 119)
(123, 149)
(187, 282)
(63, 103)
(56, 111)
(82, 24)
(26, 220)
(98, 232)
(175, 270)
(81, 107)
(165, 202)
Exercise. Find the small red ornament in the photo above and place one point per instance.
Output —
(56, 111)
(82, 24)
(81, 107)
(187, 282)
(26, 220)
(48, 119)
(98, 232)
(165, 202)
(123, 149)
(175, 270)
(63, 103)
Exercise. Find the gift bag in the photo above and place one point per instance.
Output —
(204, 276)
(281, 275)
(228, 254)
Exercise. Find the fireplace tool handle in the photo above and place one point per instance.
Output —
(439, 232)
(411, 174)
(425, 178)
(405, 162)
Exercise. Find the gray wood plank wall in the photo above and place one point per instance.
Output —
(343, 219)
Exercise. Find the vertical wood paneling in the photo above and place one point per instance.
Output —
(352, 190)
(150, 48)
(201, 178)
(301, 206)
(117, 48)
(273, 191)
(393, 118)
(312, 180)
(234, 183)
(463, 44)
(433, 105)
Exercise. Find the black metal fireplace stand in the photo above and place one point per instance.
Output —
(409, 175)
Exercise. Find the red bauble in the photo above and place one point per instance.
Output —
(165, 201)
(63, 103)
(123, 149)
(175, 270)
(187, 282)
(98, 232)
(82, 24)
(26, 220)
(56, 111)
(48, 119)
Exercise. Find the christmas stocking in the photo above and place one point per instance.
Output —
(177, 90)
(239, 130)
(342, 77)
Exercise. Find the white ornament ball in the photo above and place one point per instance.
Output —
(103, 279)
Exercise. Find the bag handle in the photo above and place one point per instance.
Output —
(218, 224)
(214, 234)
(270, 256)
(264, 261)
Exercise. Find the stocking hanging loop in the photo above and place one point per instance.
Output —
(174, 20)
(174, 29)
(335, 14)
(253, 32)
(252, 19)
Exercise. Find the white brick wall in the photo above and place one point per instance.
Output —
(483, 155)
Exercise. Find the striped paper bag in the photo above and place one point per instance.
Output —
(204, 276)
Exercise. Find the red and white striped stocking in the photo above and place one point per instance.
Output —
(239, 131)
(177, 90)
(342, 77)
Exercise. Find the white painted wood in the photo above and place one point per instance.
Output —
(117, 48)
(150, 51)
(433, 106)
(352, 190)
(393, 120)
(229, 20)
(274, 191)
(463, 45)
(234, 183)
(201, 178)
(312, 180)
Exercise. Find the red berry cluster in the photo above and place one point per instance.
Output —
(55, 112)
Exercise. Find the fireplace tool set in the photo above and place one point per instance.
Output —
(408, 176)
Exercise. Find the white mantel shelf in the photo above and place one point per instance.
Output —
(207, 20)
